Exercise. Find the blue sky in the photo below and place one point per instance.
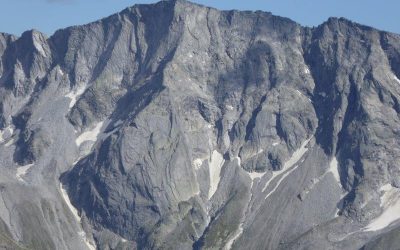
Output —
(47, 16)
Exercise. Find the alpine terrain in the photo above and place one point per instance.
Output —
(177, 126)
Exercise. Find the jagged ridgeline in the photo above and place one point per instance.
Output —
(177, 126)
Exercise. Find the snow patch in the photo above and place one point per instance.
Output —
(90, 135)
(275, 144)
(343, 235)
(306, 70)
(297, 155)
(255, 175)
(6, 133)
(238, 233)
(69, 204)
(239, 160)
(252, 175)
(197, 163)
(74, 212)
(390, 202)
(75, 94)
(333, 168)
(60, 71)
(396, 79)
(336, 213)
(280, 181)
(229, 107)
(301, 94)
(22, 171)
(9, 143)
(389, 215)
(386, 188)
(215, 166)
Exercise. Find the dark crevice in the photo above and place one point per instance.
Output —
(279, 129)
(351, 135)
(252, 122)
(324, 98)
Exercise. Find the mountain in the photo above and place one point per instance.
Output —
(177, 126)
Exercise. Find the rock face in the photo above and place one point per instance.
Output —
(176, 126)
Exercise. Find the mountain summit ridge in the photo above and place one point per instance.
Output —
(187, 2)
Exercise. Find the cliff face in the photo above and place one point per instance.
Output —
(178, 126)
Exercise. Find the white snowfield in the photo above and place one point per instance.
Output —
(215, 166)
(390, 202)
(22, 171)
(73, 210)
(287, 168)
(75, 94)
(396, 79)
(333, 168)
(90, 135)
